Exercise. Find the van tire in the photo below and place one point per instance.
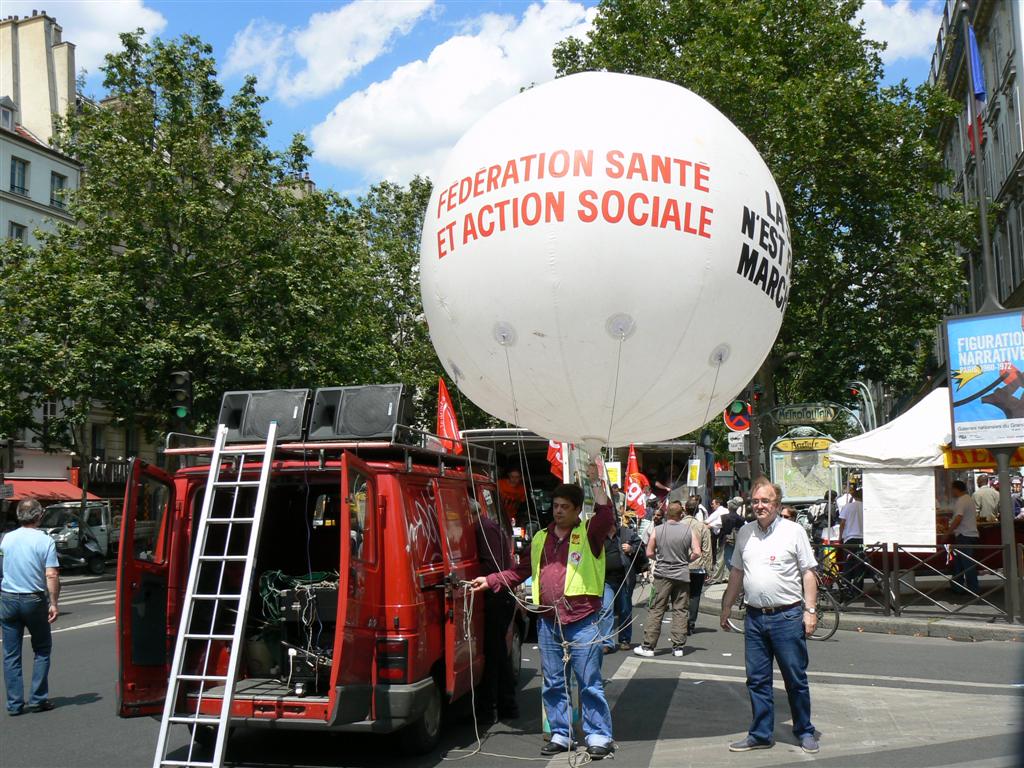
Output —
(515, 651)
(97, 565)
(423, 735)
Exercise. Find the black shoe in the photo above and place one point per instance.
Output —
(15, 712)
(553, 748)
(44, 706)
(599, 753)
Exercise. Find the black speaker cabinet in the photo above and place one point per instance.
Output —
(248, 414)
(358, 413)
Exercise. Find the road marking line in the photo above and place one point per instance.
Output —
(626, 669)
(82, 592)
(99, 623)
(95, 599)
(844, 675)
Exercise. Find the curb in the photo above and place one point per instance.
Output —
(951, 629)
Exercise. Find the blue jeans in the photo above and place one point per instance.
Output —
(18, 613)
(617, 614)
(965, 571)
(585, 662)
(779, 636)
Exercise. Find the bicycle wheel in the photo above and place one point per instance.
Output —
(828, 616)
(738, 613)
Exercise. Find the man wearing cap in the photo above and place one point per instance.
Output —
(774, 566)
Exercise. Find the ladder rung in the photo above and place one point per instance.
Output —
(204, 678)
(205, 636)
(188, 763)
(236, 483)
(216, 597)
(223, 558)
(223, 520)
(194, 720)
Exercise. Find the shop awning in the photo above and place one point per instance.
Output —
(46, 490)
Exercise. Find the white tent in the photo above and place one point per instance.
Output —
(915, 439)
(899, 461)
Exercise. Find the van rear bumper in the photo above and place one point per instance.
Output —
(396, 705)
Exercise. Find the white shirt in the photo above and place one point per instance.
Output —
(714, 522)
(853, 515)
(968, 526)
(773, 562)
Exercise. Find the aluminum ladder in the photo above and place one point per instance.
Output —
(216, 606)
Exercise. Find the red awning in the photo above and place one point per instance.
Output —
(47, 490)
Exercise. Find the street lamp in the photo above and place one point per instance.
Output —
(859, 388)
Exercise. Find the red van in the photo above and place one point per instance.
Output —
(356, 620)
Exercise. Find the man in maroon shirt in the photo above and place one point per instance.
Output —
(567, 567)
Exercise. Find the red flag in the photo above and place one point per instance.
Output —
(555, 458)
(447, 425)
(635, 484)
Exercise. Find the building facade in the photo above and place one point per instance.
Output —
(37, 87)
(997, 27)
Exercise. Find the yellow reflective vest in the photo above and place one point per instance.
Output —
(584, 572)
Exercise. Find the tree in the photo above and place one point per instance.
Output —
(196, 247)
(875, 264)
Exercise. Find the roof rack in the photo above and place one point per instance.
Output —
(406, 444)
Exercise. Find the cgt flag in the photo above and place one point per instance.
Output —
(555, 458)
(447, 425)
(635, 484)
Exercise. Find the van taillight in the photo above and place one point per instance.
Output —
(392, 660)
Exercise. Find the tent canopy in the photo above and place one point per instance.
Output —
(915, 439)
(47, 490)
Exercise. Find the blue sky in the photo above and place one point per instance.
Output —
(383, 88)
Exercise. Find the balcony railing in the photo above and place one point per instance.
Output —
(19, 190)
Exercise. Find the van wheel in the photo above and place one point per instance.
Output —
(97, 565)
(515, 651)
(422, 736)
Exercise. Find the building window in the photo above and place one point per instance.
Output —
(16, 231)
(7, 118)
(19, 176)
(49, 414)
(131, 442)
(58, 184)
(99, 450)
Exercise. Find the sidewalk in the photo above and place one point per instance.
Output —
(912, 626)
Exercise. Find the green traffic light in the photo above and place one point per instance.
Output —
(736, 407)
(181, 412)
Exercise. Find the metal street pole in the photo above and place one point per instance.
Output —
(1006, 528)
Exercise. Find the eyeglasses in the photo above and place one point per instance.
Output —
(762, 502)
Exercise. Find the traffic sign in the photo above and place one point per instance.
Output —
(736, 441)
(737, 422)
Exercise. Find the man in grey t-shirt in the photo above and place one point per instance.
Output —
(964, 527)
(675, 544)
(774, 566)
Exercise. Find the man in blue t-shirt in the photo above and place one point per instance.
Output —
(29, 589)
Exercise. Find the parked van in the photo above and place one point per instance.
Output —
(357, 619)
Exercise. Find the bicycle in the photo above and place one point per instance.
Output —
(826, 608)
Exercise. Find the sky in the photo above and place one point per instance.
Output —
(382, 89)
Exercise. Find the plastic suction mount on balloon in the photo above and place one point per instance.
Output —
(504, 333)
(719, 354)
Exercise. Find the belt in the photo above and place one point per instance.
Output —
(24, 594)
(775, 608)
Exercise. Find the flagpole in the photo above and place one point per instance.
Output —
(991, 302)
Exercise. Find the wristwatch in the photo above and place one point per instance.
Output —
(810, 609)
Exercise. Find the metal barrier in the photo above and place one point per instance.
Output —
(906, 561)
(846, 576)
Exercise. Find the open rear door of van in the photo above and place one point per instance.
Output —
(143, 632)
(462, 666)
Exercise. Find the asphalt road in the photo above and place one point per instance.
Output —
(877, 700)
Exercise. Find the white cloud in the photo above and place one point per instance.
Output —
(331, 47)
(93, 26)
(909, 28)
(406, 124)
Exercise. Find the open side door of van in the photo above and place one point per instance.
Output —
(458, 537)
(145, 638)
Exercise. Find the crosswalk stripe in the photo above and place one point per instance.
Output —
(94, 599)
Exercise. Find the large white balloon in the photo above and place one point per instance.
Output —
(605, 258)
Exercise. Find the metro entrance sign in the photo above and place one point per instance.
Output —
(737, 422)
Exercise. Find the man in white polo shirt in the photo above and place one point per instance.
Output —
(774, 566)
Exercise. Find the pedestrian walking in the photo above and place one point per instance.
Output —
(774, 566)
(732, 521)
(29, 588)
(699, 568)
(851, 532)
(624, 557)
(964, 528)
(675, 544)
(567, 564)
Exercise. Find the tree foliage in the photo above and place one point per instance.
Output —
(198, 247)
(875, 264)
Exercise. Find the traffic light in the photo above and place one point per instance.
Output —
(179, 385)
(854, 392)
(736, 407)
